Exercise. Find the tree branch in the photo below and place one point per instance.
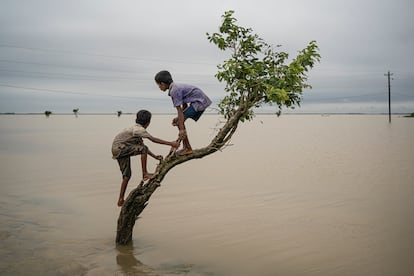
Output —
(255, 74)
(138, 198)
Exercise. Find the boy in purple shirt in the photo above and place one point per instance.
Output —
(190, 102)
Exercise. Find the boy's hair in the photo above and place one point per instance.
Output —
(163, 76)
(143, 117)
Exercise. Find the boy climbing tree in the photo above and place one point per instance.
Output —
(255, 74)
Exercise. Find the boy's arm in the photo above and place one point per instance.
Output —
(158, 157)
(174, 144)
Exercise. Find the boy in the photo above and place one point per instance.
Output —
(129, 143)
(189, 101)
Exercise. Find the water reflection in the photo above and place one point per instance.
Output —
(129, 264)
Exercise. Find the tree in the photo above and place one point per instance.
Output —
(76, 111)
(255, 74)
(48, 113)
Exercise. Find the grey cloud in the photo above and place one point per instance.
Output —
(115, 48)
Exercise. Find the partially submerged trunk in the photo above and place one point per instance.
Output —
(138, 198)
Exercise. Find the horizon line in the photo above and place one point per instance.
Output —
(170, 113)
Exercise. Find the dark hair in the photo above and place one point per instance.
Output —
(163, 76)
(143, 117)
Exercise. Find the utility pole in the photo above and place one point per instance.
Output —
(389, 95)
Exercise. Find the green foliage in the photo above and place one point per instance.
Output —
(256, 73)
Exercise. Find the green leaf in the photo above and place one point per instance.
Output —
(256, 74)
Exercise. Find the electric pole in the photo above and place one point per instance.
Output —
(389, 94)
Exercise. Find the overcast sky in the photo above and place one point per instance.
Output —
(101, 55)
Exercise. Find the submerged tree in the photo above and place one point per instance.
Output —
(255, 74)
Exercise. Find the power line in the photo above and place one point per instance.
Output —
(69, 76)
(68, 52)
(72, 92)
(343, 97)
(401, 94)
(88, 68)
(67, 66)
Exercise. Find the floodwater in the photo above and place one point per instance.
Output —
(295, 195)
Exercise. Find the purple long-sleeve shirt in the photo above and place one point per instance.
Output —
(188, 94)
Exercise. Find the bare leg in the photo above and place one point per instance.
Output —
(124, 185)
(186, 147)
(145, 174)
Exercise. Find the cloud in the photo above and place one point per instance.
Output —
(102, 48)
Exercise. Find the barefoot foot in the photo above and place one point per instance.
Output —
(184, 151)
(147, 176)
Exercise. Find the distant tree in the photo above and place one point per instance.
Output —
(76, 111)
(48, 113)
(119, 113)
(255, 74)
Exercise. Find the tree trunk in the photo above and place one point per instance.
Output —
(138, 198)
